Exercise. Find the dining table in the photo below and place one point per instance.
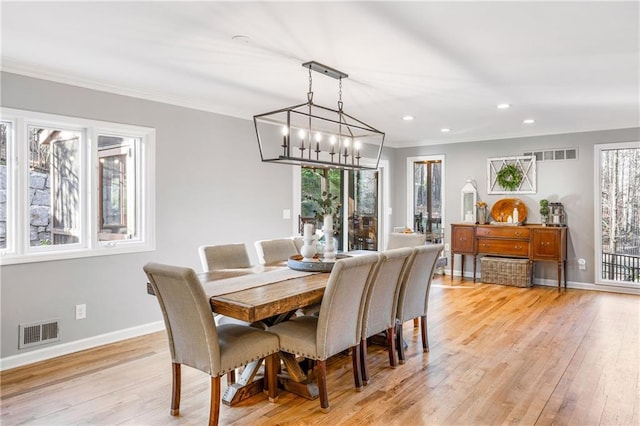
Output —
(265, 295)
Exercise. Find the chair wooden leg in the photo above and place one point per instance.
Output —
(357, 367)
(321, 377)
(415, 323)
(391, 347)
(231, 377)
(214, 410)
(272, 363)
(399, 345)
(364, 363)
(175, 390)
(423, 330)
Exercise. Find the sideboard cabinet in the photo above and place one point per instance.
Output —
(533, 242)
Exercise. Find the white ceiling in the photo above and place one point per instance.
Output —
(572, 66)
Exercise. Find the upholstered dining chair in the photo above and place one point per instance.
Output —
(413, 300)
(196, 341)
(381, 303)
(400, 239)
(224, 256)
(275, 250)
(338, 327)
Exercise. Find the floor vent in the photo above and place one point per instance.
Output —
(39, 333)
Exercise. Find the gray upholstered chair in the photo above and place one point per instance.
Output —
(338, 327)
(298, 241)
(413, 300)
(381, 303)
(224, 256)
(400, 239)
(276, 250)
(196, 341)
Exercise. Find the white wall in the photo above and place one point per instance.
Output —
(570, 181)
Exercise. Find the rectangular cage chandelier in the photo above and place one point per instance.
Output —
(316, 136)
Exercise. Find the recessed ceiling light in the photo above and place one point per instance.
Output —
(445, 130)
(528, 121)
(407, 117)
(504, 106)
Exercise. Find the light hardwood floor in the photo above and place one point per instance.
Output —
(499, 355)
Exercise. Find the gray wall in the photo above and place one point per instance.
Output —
(570, 181)
(211, 188)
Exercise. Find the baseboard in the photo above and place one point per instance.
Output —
(78, 345)
(570, 284)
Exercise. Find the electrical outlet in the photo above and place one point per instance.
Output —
(582, 264)
(446, 247)
(81, 311)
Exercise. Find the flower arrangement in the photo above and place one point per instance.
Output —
(327, 204)
(481, 204)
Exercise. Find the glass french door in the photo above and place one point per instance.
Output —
(618, 214)
(358, 193)
(425, 213)
(363, 212)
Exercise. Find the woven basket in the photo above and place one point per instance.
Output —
(505, 271)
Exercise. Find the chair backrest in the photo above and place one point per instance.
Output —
(276, 250)
(340, 319)
(298, 241)
(193, 337)
(382, 295)
(416, 282)
(224, 256)
(400, 239)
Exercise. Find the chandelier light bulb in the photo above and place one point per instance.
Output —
(346, 142)
(318, 137)
(301, 133)
(332, 140)
(285, 131)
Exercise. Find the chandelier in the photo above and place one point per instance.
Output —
(315, 136)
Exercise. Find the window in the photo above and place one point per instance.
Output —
(87, 190)
(618, 214)
(425, 196)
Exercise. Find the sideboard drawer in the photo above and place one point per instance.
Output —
(503, 232)
(503, 247)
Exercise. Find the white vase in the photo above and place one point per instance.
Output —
(329, 254)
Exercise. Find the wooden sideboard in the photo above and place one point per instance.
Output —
(533, 242)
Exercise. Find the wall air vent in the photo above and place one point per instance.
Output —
(554, 154)
(38, 333)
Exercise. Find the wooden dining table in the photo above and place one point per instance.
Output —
(269, 294)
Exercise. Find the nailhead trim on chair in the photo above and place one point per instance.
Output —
(247, 362)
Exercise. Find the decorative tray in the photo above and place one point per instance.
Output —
(503, 208)
(317, 265)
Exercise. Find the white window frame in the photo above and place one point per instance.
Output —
(18, 249)
(598, 148)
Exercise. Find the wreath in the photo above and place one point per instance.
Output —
(509, 177)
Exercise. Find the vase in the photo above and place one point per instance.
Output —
(482, 215)
(329, 247)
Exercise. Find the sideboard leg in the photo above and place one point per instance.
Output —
(474, 268)
(453, 257)
(560, 275)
